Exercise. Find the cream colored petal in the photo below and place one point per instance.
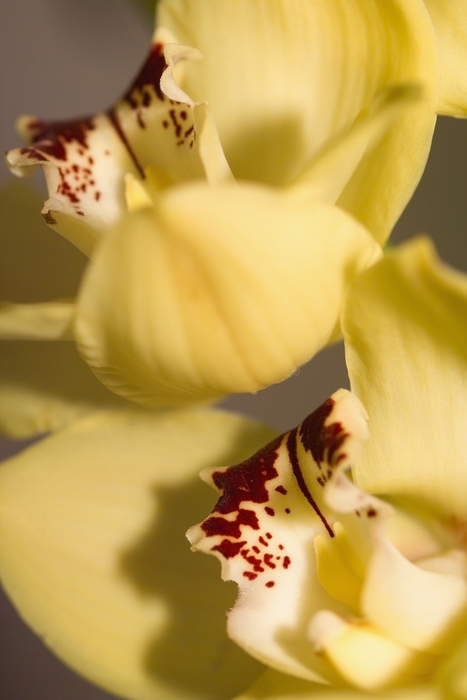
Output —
(94, 555)
(404, 328)
(449, 18)
(366, 657)
(264, 526)
(47, 321)
(415, 607)
(85, 160)
(35, 263)
(282, 77)
(44, 386)
(231, 287)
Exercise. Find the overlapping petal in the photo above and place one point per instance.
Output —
(449, 18)
(404, 327)
(216, 290)
(94, 556)
(282, 78)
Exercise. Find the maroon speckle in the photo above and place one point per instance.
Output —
(263, 541)
(322, 441)
(268, 561)
(250, 575)
(228, 548)
(269, 584)
(183, 114)
(247, 481)
(256, 563)
(216, 525)
(97, 196)
(287, 510)
(297, 472)
(190, 130)
(256, 549)
(150, 75)
(165, 124)
(286, 563)
(371, 513)
(281, 489)
(281, 546)
(269, 536)
(269, 511)
(51, 138)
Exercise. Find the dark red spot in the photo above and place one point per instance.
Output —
(216, 525)
(371, 513)
(268, 561)
(183, 114)
(297, 472)
(247, 481)
(165, 124)
(269, 536)
(323, 441)
(269, 584)
(249, 575)
(263, 541)
(286, 563)
(256, 563)
(256, 549)
(281, 489)
(51, 138)
(97, 196)
(287, 510)
(269, 511)
(149, 75)
(189, 131)
(228, 549)
(281, 546)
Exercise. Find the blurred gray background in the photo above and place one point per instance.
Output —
(60, 59)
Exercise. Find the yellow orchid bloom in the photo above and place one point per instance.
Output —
(271, 173)
(361, 582)
(339, 585)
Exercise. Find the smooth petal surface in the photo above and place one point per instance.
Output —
(94, 557)
(85, 160)
(282, 77)
(263, 528)
(44, 386)
(231, 287)
(449, 18)
(47, 321)
(276, 686)
(404, 328)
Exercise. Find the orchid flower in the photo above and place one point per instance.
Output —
(358, 582)
(229, 197)
(361, 581)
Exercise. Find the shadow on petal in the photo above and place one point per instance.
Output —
(193, 653)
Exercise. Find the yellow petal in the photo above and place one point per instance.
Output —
(94, 554)
(216, 290)
(365, 656)
(47, 321)
(264, 526)
(278, 94)
(449, 18)
(44, 386)
(404, 327)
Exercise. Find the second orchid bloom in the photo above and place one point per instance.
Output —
(253, 168)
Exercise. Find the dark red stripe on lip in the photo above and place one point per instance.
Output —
(297, 472)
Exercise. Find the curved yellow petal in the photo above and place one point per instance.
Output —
(36, 265)
(94, 554)
(404, 328)
(47, 321)
(273, 685)
(449, 18)
(44, 386)
(283, 77)
(216, 290)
